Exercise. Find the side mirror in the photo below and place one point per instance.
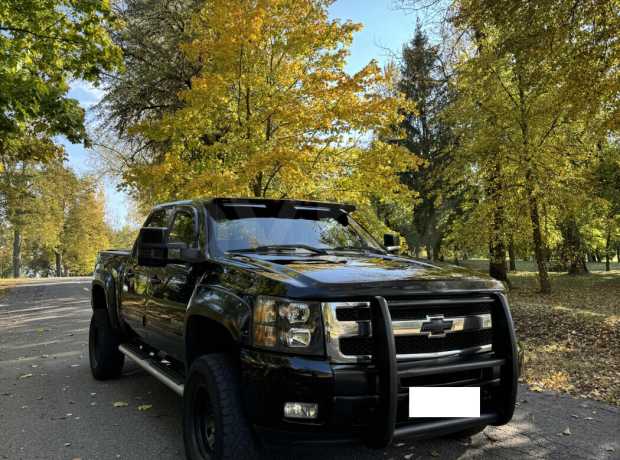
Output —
(178, 252)
(153, 247)
(391, 243)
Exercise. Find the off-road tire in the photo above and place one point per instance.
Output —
(106, 362)
(216, 428)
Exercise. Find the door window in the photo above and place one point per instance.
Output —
(183, 229)
(159, 218)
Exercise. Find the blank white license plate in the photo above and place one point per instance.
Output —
(444, 402)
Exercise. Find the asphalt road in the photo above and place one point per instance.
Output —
(51, 407)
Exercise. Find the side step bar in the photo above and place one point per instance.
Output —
(153, 367)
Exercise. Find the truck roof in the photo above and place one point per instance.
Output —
(260, 201)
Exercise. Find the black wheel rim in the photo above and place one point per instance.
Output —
(204, 422)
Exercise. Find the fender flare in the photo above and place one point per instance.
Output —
(109, 289)
(222, 306)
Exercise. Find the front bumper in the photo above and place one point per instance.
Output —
(369, 402)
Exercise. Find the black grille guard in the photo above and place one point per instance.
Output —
(389, 372)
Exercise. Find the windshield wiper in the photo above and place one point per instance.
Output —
(358, 249)
(280, 247)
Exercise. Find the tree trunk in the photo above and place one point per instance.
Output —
(497, 261)
(608, 249)
(58, 263)
(539, 246)
(532, 199)
(429, 252)
(257, 185)
(618, 253)
(573, 250)
(437, 250)
(511, 255)
(497, 247)
(17, 253)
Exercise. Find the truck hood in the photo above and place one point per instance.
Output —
(363, 274)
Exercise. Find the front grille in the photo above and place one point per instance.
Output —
(411, 344)
(423, 327)
(410, 309)
(447, 379)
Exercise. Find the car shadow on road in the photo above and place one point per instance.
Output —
(536, 431)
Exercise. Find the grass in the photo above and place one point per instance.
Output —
(530, 266)
(571, 337)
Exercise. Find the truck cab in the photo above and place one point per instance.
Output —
(285, 322)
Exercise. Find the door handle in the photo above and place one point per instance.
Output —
(154, 280)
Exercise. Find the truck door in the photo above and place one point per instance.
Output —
(137, 282)
(172, 285)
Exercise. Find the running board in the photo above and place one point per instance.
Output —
(153, 367)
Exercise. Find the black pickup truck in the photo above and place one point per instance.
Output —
(284, 322)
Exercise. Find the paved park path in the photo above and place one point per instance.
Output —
(51, 408)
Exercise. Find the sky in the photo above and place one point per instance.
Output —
(385, 31)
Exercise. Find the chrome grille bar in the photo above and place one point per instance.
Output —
(433, 326)
(453, 324)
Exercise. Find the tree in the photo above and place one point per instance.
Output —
(123, 237)
(155, 70)
(43, 44)
(545, 75)
(273, 113)
(607, 185)
(20, 194)
(85, 231)
(52, 221)
(423, 82)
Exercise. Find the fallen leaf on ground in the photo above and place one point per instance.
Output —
(144, 407)
(121, 404)
(566, 432)
(434, 453)
(25, 376)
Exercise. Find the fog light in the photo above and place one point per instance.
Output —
(301, 410)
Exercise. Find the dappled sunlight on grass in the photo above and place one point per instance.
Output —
(570, 337)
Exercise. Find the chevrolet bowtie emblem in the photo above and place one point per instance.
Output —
(436, 326)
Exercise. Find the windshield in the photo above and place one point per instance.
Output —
(262, 229)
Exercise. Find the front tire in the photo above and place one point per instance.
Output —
(214, 425)
(106, 362)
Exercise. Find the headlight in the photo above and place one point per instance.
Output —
(286, 325)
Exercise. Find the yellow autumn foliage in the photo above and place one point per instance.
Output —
(274, 114)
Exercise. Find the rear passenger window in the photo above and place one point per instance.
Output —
(183, 229)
